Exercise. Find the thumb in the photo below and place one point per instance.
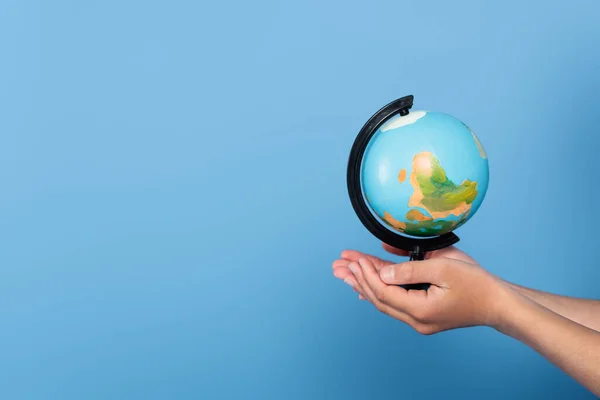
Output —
(426, 271)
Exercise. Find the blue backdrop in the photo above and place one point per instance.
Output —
(173, 192)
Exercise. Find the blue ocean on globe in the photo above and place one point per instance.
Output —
(424, 174)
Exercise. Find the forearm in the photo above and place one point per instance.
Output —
(570, 346)
(583, 311)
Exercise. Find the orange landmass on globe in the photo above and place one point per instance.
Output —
(416, 215)
(435, 193)
(402, 175)
(393, 221)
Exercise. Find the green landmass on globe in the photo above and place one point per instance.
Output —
(434, 199)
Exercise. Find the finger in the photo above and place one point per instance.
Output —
(340, 269)
(393, 250)
(410, 272)
(340, 263)
(357, 288)
(351, 281)
(372, 280)
(348, 277)
(342, 273)
(353, 255)
(393, 296)
(389, 300)
(363, 287)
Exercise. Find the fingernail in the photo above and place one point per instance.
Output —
(349, 282)
(387, 273)
(353, 267)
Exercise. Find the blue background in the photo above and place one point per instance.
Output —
(173, 192)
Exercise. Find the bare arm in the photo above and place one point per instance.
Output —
(583, 311)
(570, 346)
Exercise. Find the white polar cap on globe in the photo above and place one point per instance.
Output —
(398, 122)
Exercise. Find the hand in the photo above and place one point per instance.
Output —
(461, 293)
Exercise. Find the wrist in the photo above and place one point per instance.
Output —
(508, 303)
(517, 309)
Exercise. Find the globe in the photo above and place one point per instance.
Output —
(424, 174)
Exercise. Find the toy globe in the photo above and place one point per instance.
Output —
(416, 176)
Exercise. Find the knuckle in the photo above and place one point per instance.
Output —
(443, 265)
(419, 328)
(407, 272)
(424, 329)
(410, 272)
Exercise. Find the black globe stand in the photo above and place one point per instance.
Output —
(416, 247)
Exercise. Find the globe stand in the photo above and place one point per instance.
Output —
(416, 247)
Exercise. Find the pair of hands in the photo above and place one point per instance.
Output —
(461, 294)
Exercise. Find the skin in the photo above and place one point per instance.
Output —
(562, 329)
